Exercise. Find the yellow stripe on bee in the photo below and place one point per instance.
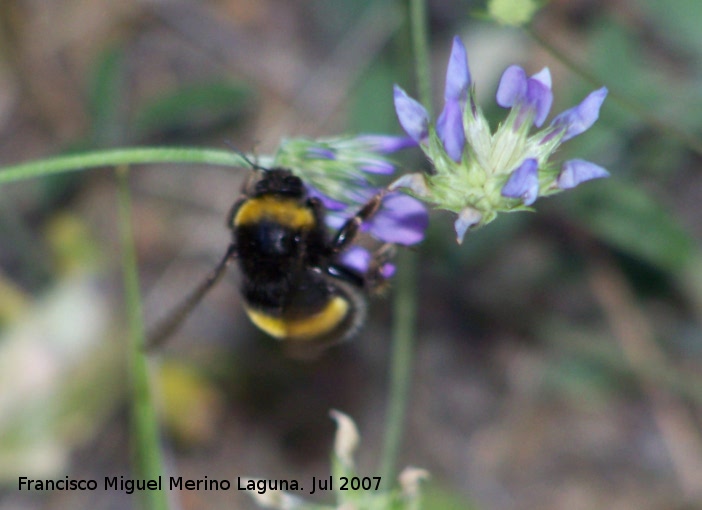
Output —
(305, 328)
(284, 211)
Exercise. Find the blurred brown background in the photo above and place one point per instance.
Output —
(557, 359)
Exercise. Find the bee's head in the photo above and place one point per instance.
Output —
(279, 181)
(273, 181)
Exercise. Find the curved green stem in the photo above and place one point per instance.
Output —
(146, 444)
(117, 157)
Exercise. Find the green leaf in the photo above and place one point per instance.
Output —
(106, 99)
(632, 221)
(373, 110)
(678, 21)
(193, 108)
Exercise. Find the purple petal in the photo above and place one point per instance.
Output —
(512, 87)
(413, 117)
(576, 171)
(416, 183)
(543, 76)
(385, 144)
(376, 166)
(321, 152)
(329, 203)
(457, 73)
(359, 259)
(356, 258)
(579, 118)
(533, 93)
(467, 218)
(400, 220)
(539, 97)
(388, 270)
(334, 220)
(449, 127)
(361, 194)
(524, 182)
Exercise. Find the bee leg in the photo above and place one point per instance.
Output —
(348, 232)
(376, 277)
(175, 318)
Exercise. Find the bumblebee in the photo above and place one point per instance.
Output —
(294, 285)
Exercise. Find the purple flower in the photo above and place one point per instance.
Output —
(580, 118)
(576, 171)
(544, 77)
(328, 202)
(524, 182)
(359, 259)
(376, 166)
(356, 258)
(388, 270)
(478, 172)
(527, 94)
(336, 172)
(449, 125)
(457, 73)
(512, 86)
(400, 220)
(466, 219)
(385, 144)
(413, 117)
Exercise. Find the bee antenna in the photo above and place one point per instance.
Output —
(243, 156)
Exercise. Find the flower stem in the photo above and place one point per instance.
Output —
(404, 318)
(146, 445)
(405, 295)
(420, 45)
(117, 157)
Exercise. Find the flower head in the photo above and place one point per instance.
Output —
(479, 172)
